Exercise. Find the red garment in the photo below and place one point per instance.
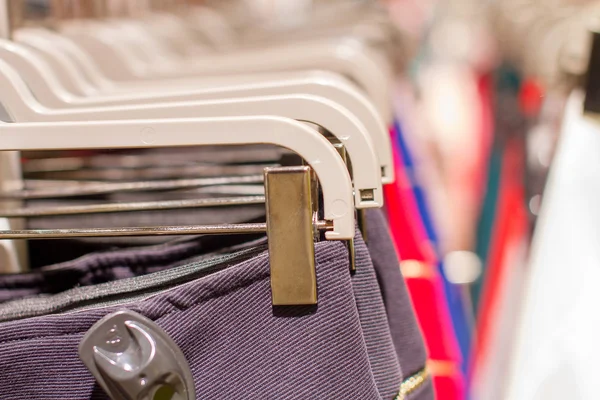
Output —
(510, 229)
(448, 386)
(419, 265)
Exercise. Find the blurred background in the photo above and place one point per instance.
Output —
(481, 96)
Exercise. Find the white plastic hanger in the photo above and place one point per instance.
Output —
(347, 56)
(59, 50)
(174, 32)
(324, 19)
(347, 50)
(68, 51)
(47, 88)
(320, 83)
(24, 52)
(336, 119)
(134, 34)
(67, 72)
(26, 108)
(122, 47)
(129, 26)
(306, 142)
(118, 52)
(112, 56)
(61, 43)
(335, 20)
(212, 27)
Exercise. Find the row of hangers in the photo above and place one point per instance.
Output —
(151, 75)
(547, 41)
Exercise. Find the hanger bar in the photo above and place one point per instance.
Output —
(156, 173)
(137, 161)
(88, 189)
(231, 229)
(136, 231)
(131, 163)
(225, 190)
(133, 206)
(233, 190)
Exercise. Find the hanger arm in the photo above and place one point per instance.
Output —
(325, 113)
(349, 57)
(23, 107)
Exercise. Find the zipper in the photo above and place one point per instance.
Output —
(412, 383)
(121, 291)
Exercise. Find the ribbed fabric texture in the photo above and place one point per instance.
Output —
(236, 345)
(378, 339)
(226, 327)
(388, 329)
(406, 335)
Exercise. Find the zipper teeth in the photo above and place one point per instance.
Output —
(412, 383)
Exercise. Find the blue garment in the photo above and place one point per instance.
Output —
(452, 292)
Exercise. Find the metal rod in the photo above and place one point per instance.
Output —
(133, 206)
(233, 229)
(146, 173)
(254, 189)
(88, 189)
(165, 160)
(233, 190)
(137, 231)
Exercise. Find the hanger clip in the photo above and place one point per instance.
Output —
(291, 235)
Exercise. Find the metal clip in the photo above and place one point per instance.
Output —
(132, 358)
(290, 231)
